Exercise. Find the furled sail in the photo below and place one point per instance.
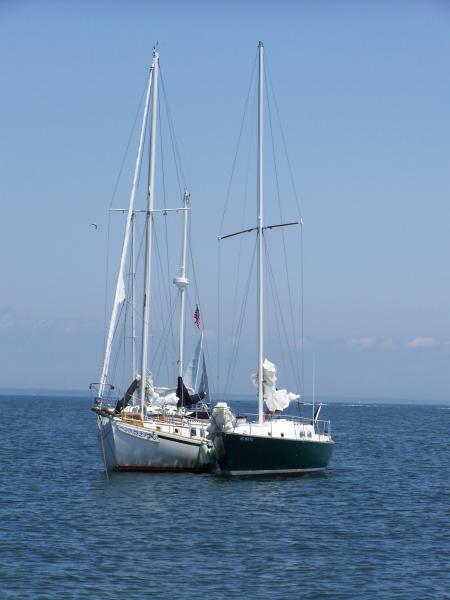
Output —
(276, 400)
(195, 377)
(192, 372)
(203, 387)
(125, 400)
(184, 397)
(120, 294)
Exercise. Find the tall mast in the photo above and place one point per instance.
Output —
(260, 227)
(149, 230)
(181, 282)
(119, 296)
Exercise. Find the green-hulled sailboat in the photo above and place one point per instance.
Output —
(275, 444)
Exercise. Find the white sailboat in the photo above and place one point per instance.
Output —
(149, 428)
(274, 444)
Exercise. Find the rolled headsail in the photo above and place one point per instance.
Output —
(120, 293)
(195, 377)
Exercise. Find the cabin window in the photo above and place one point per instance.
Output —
(193, 431)
(282, 435)
(202, 433)
(176, 430)
(269, 433)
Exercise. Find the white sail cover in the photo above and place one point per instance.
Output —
(222, 419)
(274, 399)
(156, 398)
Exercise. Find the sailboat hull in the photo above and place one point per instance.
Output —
(254, 455)
(126, 447)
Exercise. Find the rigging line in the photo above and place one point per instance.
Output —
(241, 241)
(301, 315)
(163, 287)
(138, 313)
(236, 288)
(205, 347)
(124, 330)
(291, 308)
(124, 341)
(235, 349)
(270, 270)
(237, 337)
(243, 213)
(113, 371)
(227, 197)
(162, 340)
(162, 344)
(203, 320)
(271, 86)
(108, 246)
(276, 312)
(219, 323)
(164, 203)
(115, 362)
(294, 368)
(140, 247)
(194, 275)
(129, 308)
(113, 196)
(190, 307)
(176, 152)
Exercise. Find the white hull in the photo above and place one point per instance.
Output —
(127, 447)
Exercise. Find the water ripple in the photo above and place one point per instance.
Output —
(374, 526)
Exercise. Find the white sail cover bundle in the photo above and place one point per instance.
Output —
(222, 419)
(158, 397)
(274, 399)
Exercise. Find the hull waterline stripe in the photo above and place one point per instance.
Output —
(163, 469)
(276, 471)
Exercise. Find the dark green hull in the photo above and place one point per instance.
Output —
(249, 455)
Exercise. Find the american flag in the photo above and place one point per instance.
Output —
(197, 316)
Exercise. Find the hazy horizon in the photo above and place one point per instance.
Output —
(86, 394)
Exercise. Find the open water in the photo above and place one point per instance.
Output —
(375, 526)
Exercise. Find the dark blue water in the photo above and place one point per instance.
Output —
(377, 525)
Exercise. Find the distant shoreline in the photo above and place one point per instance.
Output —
(77, 393)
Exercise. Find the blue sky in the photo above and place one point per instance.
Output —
(363, 90)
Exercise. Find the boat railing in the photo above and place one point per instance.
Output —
(321, 427)
(177, 424)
